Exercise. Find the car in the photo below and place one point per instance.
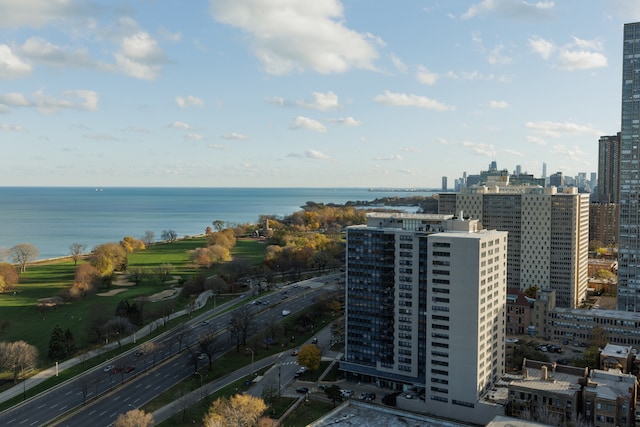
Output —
(346, 393)
(370, 397)
(117, 370)
(202, 356)
(314, 340)
(294, 353)
(129, 369)
(285, 296)
(302, 390)
(138, 353)
(204, 323)
(362, 396)
(108, 368)
(286, 312)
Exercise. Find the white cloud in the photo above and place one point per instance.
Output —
(513, 152)
(496, 57)
(480, 149)
(498, 105)
(217, 147)
(180, 125)
(536, 140)
(581, 60)
(189, 101)
(580, 54)
(89, 99)
(290, 35)
(574, 153)
(235, 135)
(14, 99)
(425, 76)
(140, 56)
(301, 122)
(392, 157)
(276, 100)
(397, 62)
(12, 67)
(101, 137)
(514, 9)
(314, 154)
(322, 101)
(557, 129)
(542, 47)
(40, 50)
(38, 13)
(12, 128)
(404, 100)
(194, 136)
(347, 121)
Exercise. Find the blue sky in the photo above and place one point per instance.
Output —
(298, 93)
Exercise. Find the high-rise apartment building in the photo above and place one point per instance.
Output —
(425, 307)
(629, 193)
(548, 234)
(608, 168)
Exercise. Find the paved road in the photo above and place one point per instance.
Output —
(72, 395)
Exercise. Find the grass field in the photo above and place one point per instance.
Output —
(48, 279)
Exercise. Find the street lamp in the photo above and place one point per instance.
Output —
(200, 375)
(251, 358)
(279, 372)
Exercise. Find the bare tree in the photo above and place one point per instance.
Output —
(169, 236)
(210, 345)
(148, 237)
(218, 224)
(118, 326)
(181, 331)
(241, 325)
(135, 418)
(76, 250)
(17, 357)
(163, 271)
(137, 274)
(24, 253)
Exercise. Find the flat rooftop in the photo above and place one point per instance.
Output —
(359, 414)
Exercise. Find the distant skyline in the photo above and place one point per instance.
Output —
(353, 93)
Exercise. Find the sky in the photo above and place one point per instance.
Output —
(299, 93)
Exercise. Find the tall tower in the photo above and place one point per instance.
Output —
(629, 189)
(608, 168)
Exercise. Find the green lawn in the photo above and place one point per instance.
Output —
(44, 280)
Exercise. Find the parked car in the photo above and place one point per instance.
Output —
(302, 390)
(346, 393)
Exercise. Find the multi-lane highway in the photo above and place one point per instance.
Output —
(97, 397)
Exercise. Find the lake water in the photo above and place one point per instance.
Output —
(52, 218)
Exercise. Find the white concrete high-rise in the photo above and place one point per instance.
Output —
(425, 307)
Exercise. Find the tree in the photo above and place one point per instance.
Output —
(218, 224)
(17, 356)
(169, 236)
(134, 418)
(137, 274)
(333, 393)
(131, 245)
(24, 253)
(163, 271)
(241, 410)
(85, 282)
(241, 325)
(108, 257)
(76, 250)
(309, 356)
(118, 326)
(57, 344)
(148, 237)
(9, 277)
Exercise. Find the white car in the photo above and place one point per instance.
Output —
(108, 368)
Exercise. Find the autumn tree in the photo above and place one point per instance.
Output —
(24, 253)
(9, 277)
(241, 410)
(309, 356)
(169, 236)
(134, 418)
(76, 250)
(17, 357)
(225, 238)
(108, 257)
(85, 282)
(131, 244)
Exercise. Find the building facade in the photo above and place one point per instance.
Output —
(608, 168)
(548, 233)
(425, 307)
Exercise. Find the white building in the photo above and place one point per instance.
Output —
(548, 233)
(425, 309)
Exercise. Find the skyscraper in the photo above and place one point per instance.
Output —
(629, 193)
(608, 168)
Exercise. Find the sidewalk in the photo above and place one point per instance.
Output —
(45, 374)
